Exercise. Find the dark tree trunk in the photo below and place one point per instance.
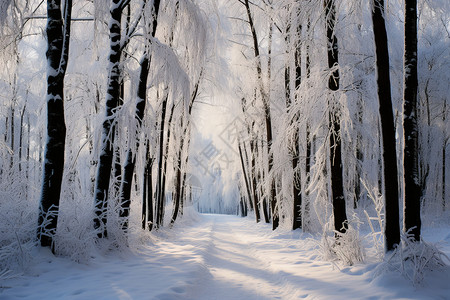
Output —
(444, 147)
(244, 173)
(160, 170)
(130, 163)
(297, 182)
(177, 189)
(178, 178)
(256, 204)
(117, 179)
(13, 130)
(112, 100)
(308, 137)
(179, 184)
(58, 37)
(164, 173)
(392, 226)
(412, 190)
(359, 155)
(337, 184)
(260, 176)
(268, 120)
(22, 114)
(147, 203)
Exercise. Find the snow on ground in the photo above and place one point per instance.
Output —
(219, 257)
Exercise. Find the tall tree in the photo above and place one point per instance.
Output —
(185, 142)
(58, 36)
(337, 184)
(296, 184)
(267, 116)
(389, 154)
(129, 166)
(117, 44)
(411, 183)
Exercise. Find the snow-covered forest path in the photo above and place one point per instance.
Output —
(211, 257)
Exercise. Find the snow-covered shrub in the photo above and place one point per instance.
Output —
(18, 218)
(376, 223)
(414, 259)
(346, 248)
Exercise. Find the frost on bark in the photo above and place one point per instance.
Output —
(337, 184)
(58, 34)
(412, 189)
(267, 117)
(112, 100)
(296, 184)
(130, 163)
(392, 226)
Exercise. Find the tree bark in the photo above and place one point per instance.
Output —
(411, 183)
(244, 173)
(130, 163)
(58, 37)
(267, 117)
(337, 184)
(160, 170)
(112, 100)
(444, 147)
(297, 182)
(389, 154)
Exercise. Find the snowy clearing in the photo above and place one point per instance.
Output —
(220, 257)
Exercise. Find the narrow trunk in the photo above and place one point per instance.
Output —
(358, 154)
(244, 173)
(166, 155)
(444, 147)
(179, 189)
(256, 204)
(337, 184)
(112, 99)
(308, 137)
(268, 120)
(13, 129)
(130, 163)
(260, 176)
(149, 201)
(411, 183)
(389, 164)
(21, 136)
(159, 179)
(297, 182)
(58, 35)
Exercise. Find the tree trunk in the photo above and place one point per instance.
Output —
(411, 182)
(58, 36)
(130, 163)
(261, 179)
(22, 114)
(268, 120)
(256, 204)
(337, 184)
(244, 173)
(444, 147)
(392, 226)
(112, 100)
(147, 194)
(179, 185)
(297, 182)
(308, 138)
(160, 169)
(164, 174)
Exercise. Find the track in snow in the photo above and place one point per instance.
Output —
(216, 257)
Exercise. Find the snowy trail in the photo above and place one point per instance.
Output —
(217, 257)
